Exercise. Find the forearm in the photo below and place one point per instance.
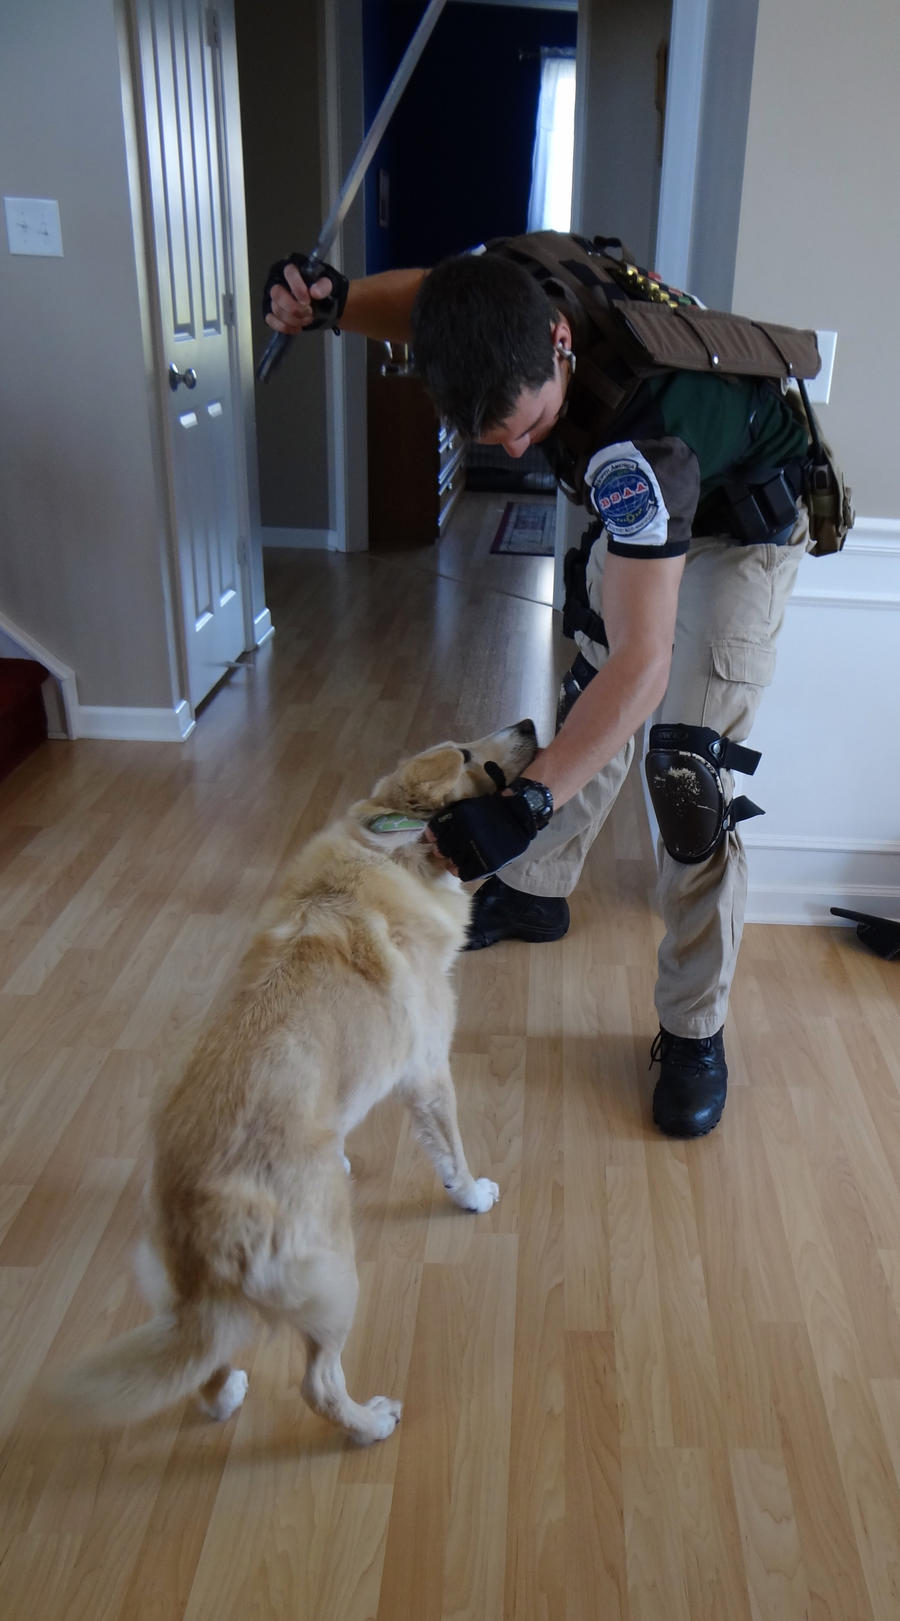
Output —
(380, 306)
(619, 699)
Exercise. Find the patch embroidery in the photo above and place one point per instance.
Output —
(624, 499)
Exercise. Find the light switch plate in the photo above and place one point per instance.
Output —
(32, 226)
(819, 388)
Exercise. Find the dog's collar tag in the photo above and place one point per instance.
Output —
(395, 823)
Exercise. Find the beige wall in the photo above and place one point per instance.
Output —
(81, 565)
(819, 237)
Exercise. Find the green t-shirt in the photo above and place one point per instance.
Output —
(728, 422)
(683, 434)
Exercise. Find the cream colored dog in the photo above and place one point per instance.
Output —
(343, 997)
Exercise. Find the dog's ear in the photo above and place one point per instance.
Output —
(429, 781)
(402, 803)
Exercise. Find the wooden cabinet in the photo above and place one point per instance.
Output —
(416, 465)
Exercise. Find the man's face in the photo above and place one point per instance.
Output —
(534, 417)
(537, 409)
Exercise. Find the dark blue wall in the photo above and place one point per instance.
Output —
(458, 150)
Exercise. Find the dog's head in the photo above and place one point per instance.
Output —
(403, 803)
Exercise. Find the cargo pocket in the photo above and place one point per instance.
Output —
(739, 674)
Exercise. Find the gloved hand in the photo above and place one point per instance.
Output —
(480, 835)
(326, 311)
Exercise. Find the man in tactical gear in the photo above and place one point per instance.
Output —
(691, 479)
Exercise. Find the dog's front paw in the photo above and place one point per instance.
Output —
(483, 1196)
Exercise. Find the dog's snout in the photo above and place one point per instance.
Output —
(527, 729)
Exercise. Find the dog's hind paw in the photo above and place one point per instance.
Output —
(229, 1398)
(484, 1195)
(385, 1416)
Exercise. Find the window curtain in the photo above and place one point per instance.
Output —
(550, 202)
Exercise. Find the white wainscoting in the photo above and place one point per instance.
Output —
(829, 733)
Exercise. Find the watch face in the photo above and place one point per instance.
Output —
(539, 801)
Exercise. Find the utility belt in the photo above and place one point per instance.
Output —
(757, 511)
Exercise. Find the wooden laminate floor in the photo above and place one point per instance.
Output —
(659, 1382)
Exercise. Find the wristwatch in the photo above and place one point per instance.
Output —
(537, 797)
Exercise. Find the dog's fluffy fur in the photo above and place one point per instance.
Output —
(343, 997)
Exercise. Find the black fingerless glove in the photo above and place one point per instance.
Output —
(328, 310)
(480, 835)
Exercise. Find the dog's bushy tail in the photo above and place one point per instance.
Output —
(153, 1367)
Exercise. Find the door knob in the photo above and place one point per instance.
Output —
(188, 378)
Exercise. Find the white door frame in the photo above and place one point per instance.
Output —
(342, 131)
(681, 139)
(257, 619)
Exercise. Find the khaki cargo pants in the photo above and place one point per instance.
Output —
(731, 607)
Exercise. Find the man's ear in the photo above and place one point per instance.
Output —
(561, 332)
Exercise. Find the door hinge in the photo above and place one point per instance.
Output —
(228, 309)
(213, 34)
(243, 554)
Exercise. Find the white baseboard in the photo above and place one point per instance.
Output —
(137, 725)
(797, 880)
(262, 628)
(301, 539)
(795, 905)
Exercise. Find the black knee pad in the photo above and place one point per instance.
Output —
(683, 767)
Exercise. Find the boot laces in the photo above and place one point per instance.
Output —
(696, 1048)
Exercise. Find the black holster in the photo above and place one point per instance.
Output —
(758, 509)
(577, 611)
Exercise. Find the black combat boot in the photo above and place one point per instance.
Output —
(690, 1094)
(501, 913)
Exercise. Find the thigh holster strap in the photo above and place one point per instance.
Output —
(572, 686)
(683, 767)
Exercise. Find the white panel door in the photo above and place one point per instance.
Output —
(181, 71)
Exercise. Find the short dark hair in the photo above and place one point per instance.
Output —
(481, 334)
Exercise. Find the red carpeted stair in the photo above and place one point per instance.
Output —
(23, 721)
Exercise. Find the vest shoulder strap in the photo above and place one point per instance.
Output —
(649, 325)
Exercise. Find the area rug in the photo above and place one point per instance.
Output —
(527, 528)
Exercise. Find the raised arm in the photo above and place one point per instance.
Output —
(376, 306)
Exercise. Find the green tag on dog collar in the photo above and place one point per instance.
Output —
(395, 823)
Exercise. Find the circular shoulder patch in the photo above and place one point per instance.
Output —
(624, 498)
